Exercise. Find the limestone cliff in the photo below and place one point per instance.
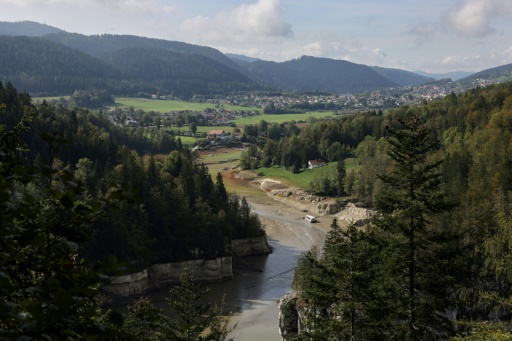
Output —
(161, 275)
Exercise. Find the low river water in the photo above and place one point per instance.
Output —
(252, 295)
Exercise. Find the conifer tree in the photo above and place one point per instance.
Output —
(192, 318)
(417, 266)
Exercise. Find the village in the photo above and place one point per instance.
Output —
(280, 103)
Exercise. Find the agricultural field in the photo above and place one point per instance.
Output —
(206, 129)
(220, 160)
(275, 118)
(188, 141)
(157, 105)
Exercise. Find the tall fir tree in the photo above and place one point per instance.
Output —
(417, 264)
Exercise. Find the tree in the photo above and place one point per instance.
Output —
(341, 173)
(193, 318)
(416, 252)
(193, 127)
(46, 289)
(342, 290)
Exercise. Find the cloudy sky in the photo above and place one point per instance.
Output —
(427, 35)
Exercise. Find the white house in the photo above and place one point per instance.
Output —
(315, 163)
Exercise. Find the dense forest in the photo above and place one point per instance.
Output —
(78, 203)
(44, 67)
(318, 74)
(436, 258)
(177, 212)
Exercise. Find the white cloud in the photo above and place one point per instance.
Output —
(476, 62)
(473, 18)
(260, 22)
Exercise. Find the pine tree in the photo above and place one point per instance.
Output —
(417, 264)
(193, 318)
(344, 298)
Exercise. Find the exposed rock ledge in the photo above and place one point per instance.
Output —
(161, 275)
(250, 247)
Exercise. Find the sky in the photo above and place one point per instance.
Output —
(435, 36)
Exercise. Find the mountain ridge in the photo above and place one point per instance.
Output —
(237, 73)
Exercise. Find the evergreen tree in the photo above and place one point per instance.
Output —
(344, 296)
(417, 265)
(194, 321)
(341, 173)
(46, 289)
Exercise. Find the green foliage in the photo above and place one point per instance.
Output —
(47, 291)
(191, 319)
(411, 195)
(343, 293)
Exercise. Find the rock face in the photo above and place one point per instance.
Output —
(288, 317)
(328, 208)
(358, 215)
(161, 275)
(132, 284)
(251, 246)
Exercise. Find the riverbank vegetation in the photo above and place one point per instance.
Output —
(439, 177)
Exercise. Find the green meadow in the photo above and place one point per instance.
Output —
(303, 178)
(280, 118)
(158, 105)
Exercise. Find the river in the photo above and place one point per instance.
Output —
(252, 295)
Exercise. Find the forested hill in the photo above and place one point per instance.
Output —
(26, 28)
(44, 67)
(40, 66)
(439, 176)
(99, 45)
(503, 71)
(182, 74)
(402, 77)
(318, 74)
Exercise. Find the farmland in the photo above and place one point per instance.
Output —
(163, 106)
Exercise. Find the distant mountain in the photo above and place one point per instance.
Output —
(240, 58)
(504, 71)
(402, 77)
(44, 67)
(26, 28)
(318, 74)
(39, 66)
(184, 74)
(454, 76)
(98, 45)
(126, 64)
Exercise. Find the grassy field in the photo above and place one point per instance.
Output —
(303, 178)
(206, 129)
(170, 105)
(272, 118)
(187, 140)
(219, 162)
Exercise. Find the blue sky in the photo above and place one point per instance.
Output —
(427, 35)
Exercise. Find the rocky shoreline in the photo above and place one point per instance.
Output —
(158, 276)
